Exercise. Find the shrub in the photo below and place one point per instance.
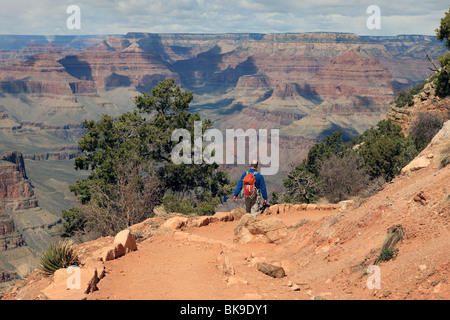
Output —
(174, 204)
(386, 255)
(130, 200)
(275, 198)
(301, 185)
(342, 177)
(405, 99)
(394, 234)
(443, 80)
(373, 187)
(58, 255)
(386, 150)
(424, 129)
(75, 221)
(207, 206)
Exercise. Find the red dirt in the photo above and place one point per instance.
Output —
(166, 267)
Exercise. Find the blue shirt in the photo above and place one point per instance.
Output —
(260, 184)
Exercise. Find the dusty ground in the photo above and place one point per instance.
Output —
(170, 267)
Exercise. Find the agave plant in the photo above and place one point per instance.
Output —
(58, 255)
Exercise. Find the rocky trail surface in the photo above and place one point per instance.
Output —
(201, 263)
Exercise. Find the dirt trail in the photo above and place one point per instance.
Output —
(166, 266)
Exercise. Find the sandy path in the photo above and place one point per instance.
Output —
(168, 267)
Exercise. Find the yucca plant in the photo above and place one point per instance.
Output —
(58, 255)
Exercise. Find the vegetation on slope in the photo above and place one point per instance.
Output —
(131, 170)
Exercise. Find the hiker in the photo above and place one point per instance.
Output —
(254, 187)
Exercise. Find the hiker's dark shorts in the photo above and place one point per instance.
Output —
(252, 205)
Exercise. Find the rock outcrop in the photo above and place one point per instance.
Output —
(424, 101)
(15, 190)
(250, 229)
(24, 226)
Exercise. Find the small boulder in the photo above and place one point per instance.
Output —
(224, 216)
(271, 270)
(251, 229)
(421, 197)
(416, 164)
(238, 213)
(175, 223)
(127, 240)
(202, 221)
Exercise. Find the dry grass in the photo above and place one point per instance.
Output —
(394, 234)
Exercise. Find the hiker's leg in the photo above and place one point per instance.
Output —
(255, 206)
(248, 205)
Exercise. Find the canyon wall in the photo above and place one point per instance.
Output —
(305, 84)
(25, 228)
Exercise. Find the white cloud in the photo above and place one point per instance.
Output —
(121, 16)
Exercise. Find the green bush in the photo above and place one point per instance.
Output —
(174, 204)
(337, 170)
(302, 183)
(443, 84)
(443, 80)
(386, 150)
(386, 255)
(206, 206)
(405, 99)
(58, 255)
(75, 221)
(424, 129)
(275, 198)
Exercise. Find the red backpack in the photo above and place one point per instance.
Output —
(249, 185)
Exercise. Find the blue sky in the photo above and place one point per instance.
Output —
(49, 17)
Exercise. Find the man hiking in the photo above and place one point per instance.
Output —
(254, 187)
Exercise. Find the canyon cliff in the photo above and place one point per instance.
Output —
(25, 228)
(305, 84)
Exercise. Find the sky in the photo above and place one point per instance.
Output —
(50, 17)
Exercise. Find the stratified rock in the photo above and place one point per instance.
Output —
(24, 226)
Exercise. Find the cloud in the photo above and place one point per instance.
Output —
(220, 16)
